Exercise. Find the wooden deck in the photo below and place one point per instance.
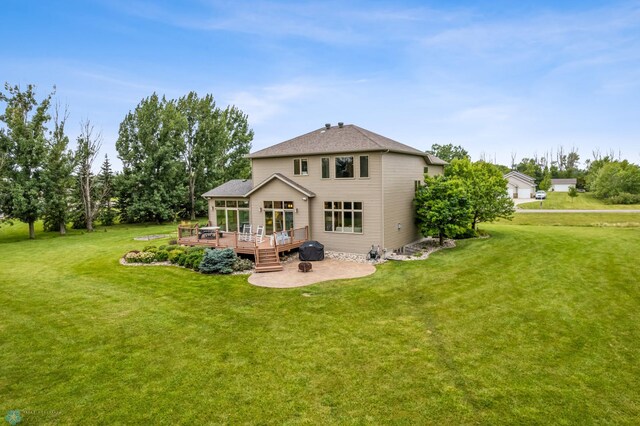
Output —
(192, 236)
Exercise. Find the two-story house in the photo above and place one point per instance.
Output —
(351, 187)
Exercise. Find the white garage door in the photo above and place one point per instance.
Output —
(524, 193)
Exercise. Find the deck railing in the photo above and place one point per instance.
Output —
(192, 234)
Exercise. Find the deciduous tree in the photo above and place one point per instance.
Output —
(442, 207)
(88, 147)
(486, 190)
(448, 152)
(23, 146)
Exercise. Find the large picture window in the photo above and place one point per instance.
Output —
(278, 216)
(344, 167)
(343, 216)
(231, 214)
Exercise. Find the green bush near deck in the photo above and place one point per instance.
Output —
(218, 261)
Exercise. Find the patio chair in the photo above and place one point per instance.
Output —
(245, 235)
(260, 233)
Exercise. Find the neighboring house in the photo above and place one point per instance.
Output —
(520, 185)
(562, 185)
(351, 187)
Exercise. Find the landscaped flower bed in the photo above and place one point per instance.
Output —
(205, 260)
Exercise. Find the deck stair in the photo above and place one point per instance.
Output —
(267, 260)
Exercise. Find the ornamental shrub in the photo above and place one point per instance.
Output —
(193, 260)
(139, 257)
(150, 248)
(182, 257)
(162, 256)
(218, 261)
(242, 264)
(173, 255)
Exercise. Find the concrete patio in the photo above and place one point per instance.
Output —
(325, 270)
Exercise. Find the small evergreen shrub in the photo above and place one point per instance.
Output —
(150, 248)
(182, 257)
(218, 261)
(162, 256)
(242, 264)
(173, 255)
(173, 242)
(193, 260)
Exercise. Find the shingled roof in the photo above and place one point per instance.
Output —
(340, 139)
(232, 188)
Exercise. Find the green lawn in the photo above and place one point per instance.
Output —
(534, 325)
(584, 201)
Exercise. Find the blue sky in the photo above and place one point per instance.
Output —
(496, 77)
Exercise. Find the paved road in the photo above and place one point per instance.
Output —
(574, 211)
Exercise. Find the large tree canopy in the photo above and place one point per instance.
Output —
(486, 190)
(24, 148)
(442, 207)
(174, 151)
(448, 152)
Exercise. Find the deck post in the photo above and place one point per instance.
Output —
(197, 233)
(306, 232)
(217, 231)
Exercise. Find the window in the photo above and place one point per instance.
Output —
(325, 168)
(343, 216)
(344, 167)
(231, 214)
(300, 167)
(364, 166)
(426, 170)
(278, 216)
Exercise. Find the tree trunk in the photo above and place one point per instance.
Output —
(441, 236)
(192, 191)
(63, 228)
(32, 231)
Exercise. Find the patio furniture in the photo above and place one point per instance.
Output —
(281, 238)
(208, 231)
(245, 235)
(260, 233)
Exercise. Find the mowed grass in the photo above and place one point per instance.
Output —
(584, 201)
(534, 325)
(605, 220)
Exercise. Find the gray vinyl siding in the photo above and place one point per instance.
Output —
(400, 173)
(366, 190)
(276, 190)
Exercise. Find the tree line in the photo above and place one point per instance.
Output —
(607, 176)
(172, 150)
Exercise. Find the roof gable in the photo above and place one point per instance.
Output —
(286, 181)
(340, 139)
(520, 176)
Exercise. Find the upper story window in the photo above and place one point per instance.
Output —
(364, 166)
(326, 169)
(344, 167)
(300, 167)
